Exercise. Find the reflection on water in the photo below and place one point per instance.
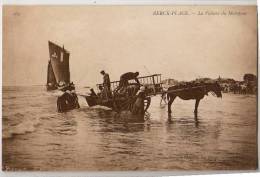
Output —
(36, 137)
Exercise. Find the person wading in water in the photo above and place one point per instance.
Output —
(138, 107)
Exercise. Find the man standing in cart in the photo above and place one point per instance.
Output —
(106, 84)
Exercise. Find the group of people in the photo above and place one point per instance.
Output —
(239, 88)
(69, 99)
(105, 88)
(124, 88)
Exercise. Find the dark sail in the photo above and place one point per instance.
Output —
(51, 81)
(58, 67)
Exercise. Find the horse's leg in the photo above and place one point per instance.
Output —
(172, 97)
(196, 119)
(170, 118)
(196, 106)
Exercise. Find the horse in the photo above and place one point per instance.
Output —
(196, 93)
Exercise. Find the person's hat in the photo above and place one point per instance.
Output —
(102, 71)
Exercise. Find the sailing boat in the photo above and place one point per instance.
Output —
(58, 67)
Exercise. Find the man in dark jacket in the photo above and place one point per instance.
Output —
(106, 84)
(106, 79)
(124, 78)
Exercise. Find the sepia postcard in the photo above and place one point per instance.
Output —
(129, 88)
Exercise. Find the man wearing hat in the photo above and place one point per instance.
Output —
(106, 84)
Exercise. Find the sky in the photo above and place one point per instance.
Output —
(120, 39)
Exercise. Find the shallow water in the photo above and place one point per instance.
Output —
(36, 137)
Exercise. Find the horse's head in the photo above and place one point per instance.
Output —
(215, 88)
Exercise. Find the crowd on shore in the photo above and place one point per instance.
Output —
(239, 87)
